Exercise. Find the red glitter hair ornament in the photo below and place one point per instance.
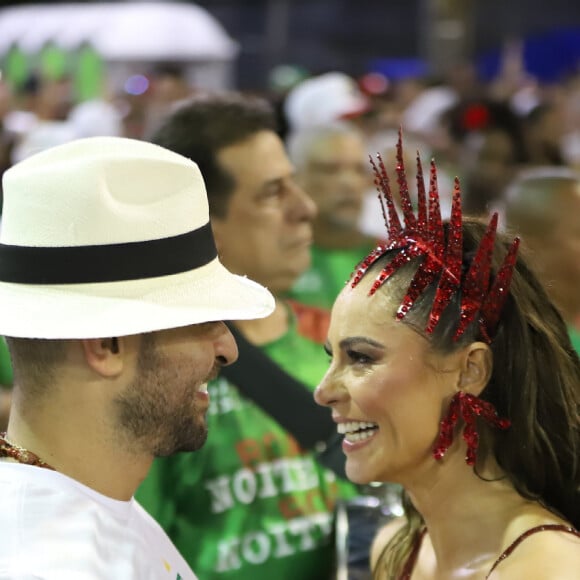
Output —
(423, 235)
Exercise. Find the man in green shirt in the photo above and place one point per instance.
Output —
(332, 165)
(251, 504)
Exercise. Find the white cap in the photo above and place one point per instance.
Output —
(424, 112)
(324, 99)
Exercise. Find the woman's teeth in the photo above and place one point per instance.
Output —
(354, 431)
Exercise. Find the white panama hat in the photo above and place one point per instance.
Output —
(109, 236)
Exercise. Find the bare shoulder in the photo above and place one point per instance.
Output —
(383, 537)
(550, 555)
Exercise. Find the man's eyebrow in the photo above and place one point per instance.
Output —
(277, 181)
(272, 181)
(351, 341)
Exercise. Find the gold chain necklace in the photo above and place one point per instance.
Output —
(8, 449)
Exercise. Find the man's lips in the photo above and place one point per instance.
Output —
(300, 243)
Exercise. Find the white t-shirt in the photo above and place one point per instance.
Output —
(54, 528)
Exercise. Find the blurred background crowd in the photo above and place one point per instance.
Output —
(490, 91)
(485, 88)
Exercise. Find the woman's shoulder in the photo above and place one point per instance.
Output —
(383, 537)
(549, 553)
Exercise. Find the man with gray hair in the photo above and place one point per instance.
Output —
(543, 206)
(331, 165)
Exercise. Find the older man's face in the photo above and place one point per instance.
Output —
(267, 230)
(337, 176)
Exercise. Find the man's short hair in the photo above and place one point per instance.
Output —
(35, 362)
(202, 126)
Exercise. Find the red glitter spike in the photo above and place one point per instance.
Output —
(402, 258)
(471, 408)
(454, 252)
(467, 407)
(447, 427)
(421, 198)
(393, 223)
(448, 286)
(407, 206)
(380, 195)
(496, 297)
(436, 235)
(363, 266)
(476, 282)
(425, 275)
(451, 277)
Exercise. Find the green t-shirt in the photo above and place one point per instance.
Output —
(328, 273)
(6, 377)
(575, 338)
(250, 504)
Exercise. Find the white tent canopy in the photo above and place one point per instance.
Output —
(121, 31)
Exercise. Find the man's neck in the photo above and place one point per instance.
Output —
(78, 446)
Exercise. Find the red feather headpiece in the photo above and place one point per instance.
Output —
(423, 235)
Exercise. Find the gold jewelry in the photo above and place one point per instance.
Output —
(9, 449)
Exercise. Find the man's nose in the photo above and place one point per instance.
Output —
(226, 349)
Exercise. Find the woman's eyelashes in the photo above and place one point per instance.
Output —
(351, 355)
(359, 357)
(328, 352)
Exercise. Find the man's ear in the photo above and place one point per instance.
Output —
(104, 355)
(477, 364)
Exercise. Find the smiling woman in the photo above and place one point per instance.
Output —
(443, 328)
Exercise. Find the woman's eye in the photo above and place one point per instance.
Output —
(358, 357)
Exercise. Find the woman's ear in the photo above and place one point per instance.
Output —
(105, 355)
(476, 368)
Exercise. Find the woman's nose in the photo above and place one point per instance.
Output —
(329, 392)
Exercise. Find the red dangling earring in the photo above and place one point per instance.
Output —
(469, 407)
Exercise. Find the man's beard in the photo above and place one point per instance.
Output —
(149, 416)
(346, 221)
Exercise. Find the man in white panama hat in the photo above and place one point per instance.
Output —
(112, 300)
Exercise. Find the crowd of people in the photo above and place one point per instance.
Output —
(402, 303)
